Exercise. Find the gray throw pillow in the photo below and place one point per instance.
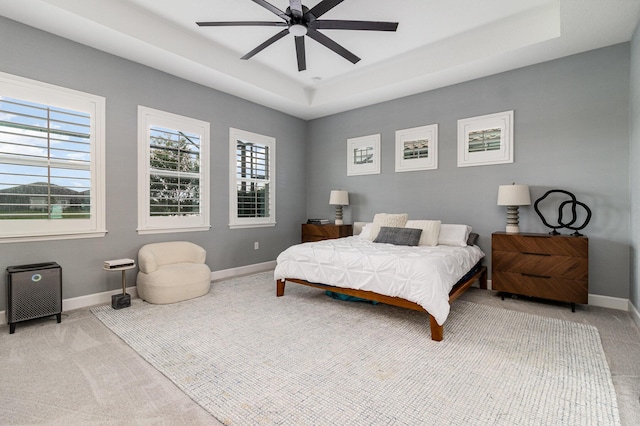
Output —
(399, 236)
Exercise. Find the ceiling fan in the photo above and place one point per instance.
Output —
(300, 21)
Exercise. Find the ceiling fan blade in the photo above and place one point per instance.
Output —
(330, 24)
(271, 8)
(266, 44)
(300, 53)
(327, 42)
(323, 7)
(242, 23)
(296, 8)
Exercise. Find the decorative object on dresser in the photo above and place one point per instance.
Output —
(561, 222)
(513, 196)
(315, 232)
(546, 266)
(339, 198)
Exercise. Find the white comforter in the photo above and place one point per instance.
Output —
(424, 274)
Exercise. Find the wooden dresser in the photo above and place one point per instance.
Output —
(329, 231)
(547, 266)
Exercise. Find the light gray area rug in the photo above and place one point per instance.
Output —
(249, 357)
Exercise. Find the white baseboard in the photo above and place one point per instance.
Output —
(94, 299)
(609, 302)
(242, 270)
(84, 301)
(600, 301)
(634, 314)
(105, 297)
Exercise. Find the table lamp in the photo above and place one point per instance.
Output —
(513, 196)
(339, 198)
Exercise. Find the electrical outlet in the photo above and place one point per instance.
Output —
(256, 245)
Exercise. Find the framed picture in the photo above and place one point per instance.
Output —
(363, 155)
(417, 148)
(487, 139)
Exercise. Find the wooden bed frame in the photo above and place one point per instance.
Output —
(436, 329)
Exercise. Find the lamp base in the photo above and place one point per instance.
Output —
(339, 215)
(513, 229)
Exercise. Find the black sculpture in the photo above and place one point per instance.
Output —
(574, 203)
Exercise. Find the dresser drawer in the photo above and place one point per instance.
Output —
(567, 267)
(573, 291)
(541, 244)
(312, 232)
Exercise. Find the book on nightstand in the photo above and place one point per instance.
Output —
(318, 221)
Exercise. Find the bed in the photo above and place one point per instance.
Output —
(419, 277)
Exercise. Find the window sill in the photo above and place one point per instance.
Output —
(33, 238)
(148, 231)
(250, 225)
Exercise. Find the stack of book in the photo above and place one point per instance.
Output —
(318, 221)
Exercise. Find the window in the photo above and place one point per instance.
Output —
(173, 172)
(252, 180)
(51, 162)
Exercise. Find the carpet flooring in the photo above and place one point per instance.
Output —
(248, 357)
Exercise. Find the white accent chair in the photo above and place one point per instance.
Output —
(172, 272)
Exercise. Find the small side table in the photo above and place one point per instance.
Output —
(119, 301)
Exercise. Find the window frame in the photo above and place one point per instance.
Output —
(26, 230)
(147, 224)
(236, 222)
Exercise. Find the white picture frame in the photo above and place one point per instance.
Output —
(417, 148)
(485, 140)
(363, 155)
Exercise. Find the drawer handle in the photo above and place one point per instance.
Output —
(536, 254)
(546, 277)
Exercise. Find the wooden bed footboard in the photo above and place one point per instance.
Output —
(437, 330)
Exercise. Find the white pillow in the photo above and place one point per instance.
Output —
(454, 235)
(365, 232)
(386, 219)
(430, 231)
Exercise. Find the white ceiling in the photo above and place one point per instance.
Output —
(437, 43)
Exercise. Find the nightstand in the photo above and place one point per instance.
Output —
(311, 232)
(547, 266)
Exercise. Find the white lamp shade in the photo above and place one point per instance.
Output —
(339, 198)
(514, 195)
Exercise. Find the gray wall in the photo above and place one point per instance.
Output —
(634, 161)
(571, 132)
(34, 54)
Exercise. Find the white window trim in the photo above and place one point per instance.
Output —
(236, 222)
(48, 94)
(147, 224)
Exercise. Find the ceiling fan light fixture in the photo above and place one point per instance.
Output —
(301, 21)
(298, 30)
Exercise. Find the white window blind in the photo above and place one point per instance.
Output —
(252, 173)
(173, 172)
(46, 157)
(51, 153)
(252, 199)
(174, 167)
